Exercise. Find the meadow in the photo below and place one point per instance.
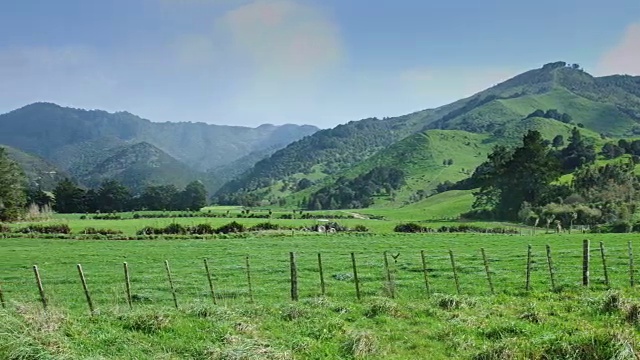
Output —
(404, 318)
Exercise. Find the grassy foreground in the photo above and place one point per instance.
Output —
(569, 323)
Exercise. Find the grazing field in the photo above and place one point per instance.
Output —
(400, 319)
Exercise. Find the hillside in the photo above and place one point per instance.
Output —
(466, 131)
(77, 140)
(140, 165)
(39, 173)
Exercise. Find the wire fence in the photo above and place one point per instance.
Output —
(305, 274)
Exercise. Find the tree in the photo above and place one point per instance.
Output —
(158, 197)
(69, 198)
(577, 153)
(12, 189)
(558, 142)
(612, 151)
(566, 118)
(194, 196)
(113, 196)
(523, 175)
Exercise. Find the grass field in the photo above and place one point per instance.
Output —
(573, 322)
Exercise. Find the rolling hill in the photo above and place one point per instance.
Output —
(464, 131)
(39, 173)
(77, 141)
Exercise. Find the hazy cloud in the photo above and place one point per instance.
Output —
(624, 57)
(284, 38)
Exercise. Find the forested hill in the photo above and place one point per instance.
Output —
(77, 140)
(39, 173)
(551, 99)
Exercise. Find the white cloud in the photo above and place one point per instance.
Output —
(624, 57)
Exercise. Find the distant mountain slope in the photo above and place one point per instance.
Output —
(608, 106)
(39, 173)
(73, 137)
(140, 165)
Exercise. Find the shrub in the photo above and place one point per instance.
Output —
(409, 228)
(94, 231)
(264, 226)
(361, 228)
(232, 227)
(175, 229)
(4, 228)
(46, 229)
(202, 229)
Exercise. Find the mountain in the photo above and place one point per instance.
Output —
(39, 173)
(139, 165)
(77, 141)
(463, 132)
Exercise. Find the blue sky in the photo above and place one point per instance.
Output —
(322, 62)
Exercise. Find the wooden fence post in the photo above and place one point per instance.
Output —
(486, 269)
(85, 288)
(211, 288)
(424, 272)
(294, 276)
(173, 290)
(249, 278)
(127, 282)
(551, 270)
(355, 275)
(2, 302)
(528, 276)
(390, 284)
(322, 286)
(631, 270)
(40, 288)
(604, 265)
(585, 262)
(455, 272)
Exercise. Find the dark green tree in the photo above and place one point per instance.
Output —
(158, 197)
(577, 153)
(13, 197)
(194, 196)
(113, 196)
(68, 198)
(558, 142)
(515, 177)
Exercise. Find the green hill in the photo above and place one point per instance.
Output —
(77, 140)
(39, 173)
(140, 165)
(552, 100)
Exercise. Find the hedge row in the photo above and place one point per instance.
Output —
(417, 228)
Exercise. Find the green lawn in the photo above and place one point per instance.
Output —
(573, 323)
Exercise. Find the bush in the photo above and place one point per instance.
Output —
(410, 228)
(46, 229)
(232, 227)
(265, 226)
(175, 229)
(202, 229)
(94, 231)
(361, 228)
(4, 228)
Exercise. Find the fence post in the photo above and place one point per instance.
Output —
(486, 269)
(322, 287)
(173, 290)
(528, 276)
(424, 272)
(455, 272)
(390, 283)
(40, 288)
(551, 271)
(355, 275)
(2, 302)
(85, 288)
(211, 288)
(604, 265)
(127, 282)
(631, 271)
(294, 276)
(585, 262)
(249, 278)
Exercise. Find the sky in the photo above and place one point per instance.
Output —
(320, 62)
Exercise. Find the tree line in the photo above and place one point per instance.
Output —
(69, 197)
(112, 196)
